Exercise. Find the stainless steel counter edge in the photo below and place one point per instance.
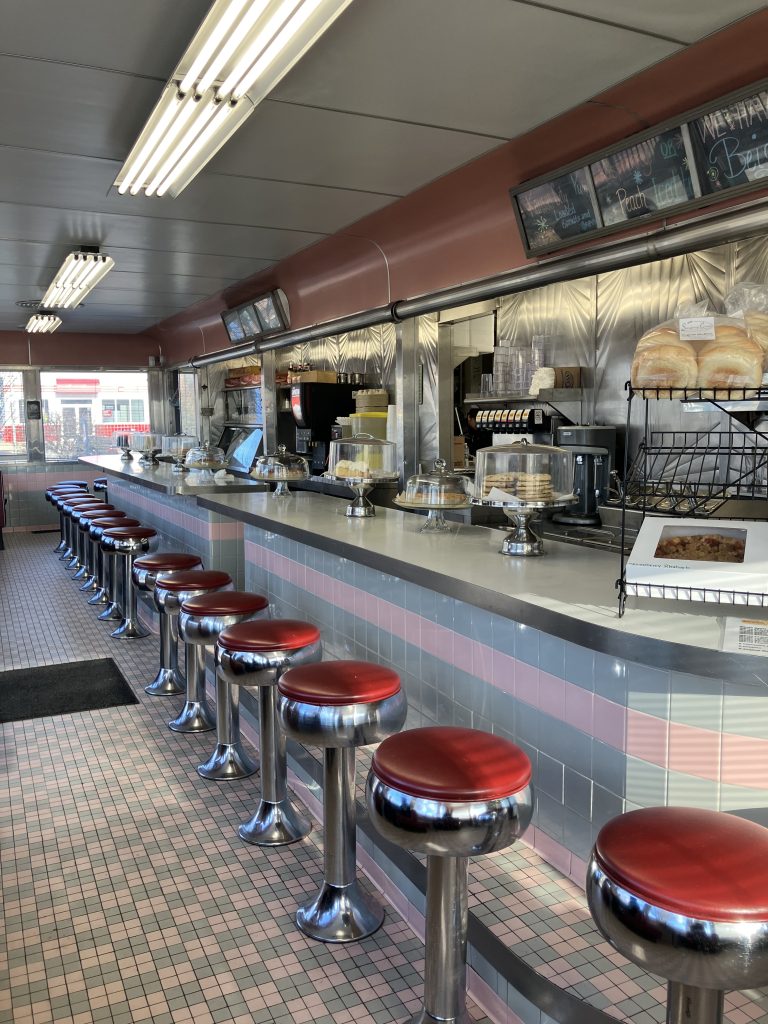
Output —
(615, 638)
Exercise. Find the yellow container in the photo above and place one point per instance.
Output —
(373, 423)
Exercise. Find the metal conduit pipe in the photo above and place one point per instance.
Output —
(674, 241)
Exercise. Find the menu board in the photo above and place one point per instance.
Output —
(730, 145)
(268, 314)
(557, 211)
(233, 326)
(250, 321)
(643, 179)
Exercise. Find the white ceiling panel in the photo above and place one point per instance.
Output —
(141, 37)
(64, 108)
(492, 66)
(74, 183)
(80, 227)
(683, 20)
(323, 147)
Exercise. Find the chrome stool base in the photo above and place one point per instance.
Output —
(165, 684)
(228, 762)
(275, 825)
(340, 913)
(129, 629)
(111, 612)
(195, 717)
(100, 596)
(423, 1017)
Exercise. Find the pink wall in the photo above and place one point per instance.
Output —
(68, 350)
(461, 227)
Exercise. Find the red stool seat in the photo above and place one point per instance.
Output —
(69, 483)
(334, 683)
(699, 863)
(225, 602)
(100, 481)
(130, 532)
(167, 561)
(110, 519)
(269, 635)
(196, 579)
(452, 764)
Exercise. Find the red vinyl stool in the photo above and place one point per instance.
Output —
(66, 503)
(62, 487)
(107, 593)
(57, 496)
(172, 589)
(91, 549)
(451, 794)
(201, 620)
(80, 524)
(146, 570)
(257, 654)
(683, 893)
(340, 705)
(72, 508)
(100, 485)
(126, 543)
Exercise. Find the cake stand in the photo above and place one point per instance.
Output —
(523, 540)
(435, 521)
(361, 507)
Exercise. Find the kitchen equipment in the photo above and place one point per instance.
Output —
(522, 479)
(360, 462)
(372, 422)
(436, 492)
(594, 451)
(279, 468)
(177, 447)
(315, 408)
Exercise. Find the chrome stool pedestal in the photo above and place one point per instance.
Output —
(68, 506)
(201, 620)
(256, 654)
(82, 521)
(108, 593)
(77, 562)
(69, 487)
(681, 892)
(340, 705)
(451, 794)
(126, 543)
(147, 570)
(171, 591)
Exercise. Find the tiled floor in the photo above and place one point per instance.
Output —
(127, 895)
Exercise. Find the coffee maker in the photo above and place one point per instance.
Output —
(594, 453)
(315, 407)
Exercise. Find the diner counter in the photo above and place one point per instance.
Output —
(162, 478)
(568, 592)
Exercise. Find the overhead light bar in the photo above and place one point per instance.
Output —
(42, 323)
(238, 55)
(77, 275)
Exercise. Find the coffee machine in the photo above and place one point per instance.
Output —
(315, 406)
(594, 454)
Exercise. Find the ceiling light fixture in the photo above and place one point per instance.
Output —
(77, 275)
(42, 323)
(238, 55)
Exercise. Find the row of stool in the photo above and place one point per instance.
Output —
(680, 892)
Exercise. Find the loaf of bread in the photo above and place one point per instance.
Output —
(757, 329)
(662, 360)
(732, 360)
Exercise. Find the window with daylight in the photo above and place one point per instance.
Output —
(13, 438)
(83, 411)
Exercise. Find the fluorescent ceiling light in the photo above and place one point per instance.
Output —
(238, 55)
(77, 275)
(42, 323)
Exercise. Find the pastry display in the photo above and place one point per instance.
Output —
(663, 360)
(757, 329)
(363, 461)
(435, 491)
(732, 360)
(205, 457)
(704, 547)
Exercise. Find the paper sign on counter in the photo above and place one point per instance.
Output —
(746, 636)
(696, 328)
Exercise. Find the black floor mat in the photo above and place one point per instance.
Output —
(62, 689)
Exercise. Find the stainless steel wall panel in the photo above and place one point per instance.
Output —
(427, 449)
(750, 260)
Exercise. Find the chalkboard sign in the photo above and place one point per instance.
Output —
(643, 179)
(561, 209)
(730, 145)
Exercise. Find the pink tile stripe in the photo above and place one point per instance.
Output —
(208, 531)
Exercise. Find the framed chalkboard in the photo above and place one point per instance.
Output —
(557, 211)
(642, 179)
(235, 332)
(730, 144)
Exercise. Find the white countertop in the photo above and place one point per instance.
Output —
(162, 478)
(569, 591)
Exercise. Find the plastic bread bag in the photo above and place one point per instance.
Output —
(749, 301)
(697, 349)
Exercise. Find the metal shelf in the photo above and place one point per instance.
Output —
(546, 395)
(245, 387)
